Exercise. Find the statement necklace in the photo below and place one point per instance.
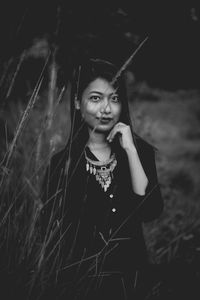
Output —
(102, 170)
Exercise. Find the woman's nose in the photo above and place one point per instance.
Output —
(106, 106)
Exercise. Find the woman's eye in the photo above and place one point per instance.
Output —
(95, 98)
(115, 98)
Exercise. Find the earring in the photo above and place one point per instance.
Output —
(77, 104)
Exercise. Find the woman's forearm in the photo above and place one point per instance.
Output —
(138, 177)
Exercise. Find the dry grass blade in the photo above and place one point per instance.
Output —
(21, 126)
(52, 89)
(24, 118)
(5, 71)
(26, 113)
(127, 62)
(22, 56)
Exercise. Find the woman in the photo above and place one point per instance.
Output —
(97, 192)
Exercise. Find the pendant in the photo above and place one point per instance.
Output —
(102, 171)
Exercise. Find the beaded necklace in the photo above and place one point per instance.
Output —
(102, 170)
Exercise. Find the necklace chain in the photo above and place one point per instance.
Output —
(103, 171)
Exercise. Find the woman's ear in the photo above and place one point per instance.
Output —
(77, 104)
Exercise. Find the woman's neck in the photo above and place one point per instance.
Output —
(97, 140)
(99, 145)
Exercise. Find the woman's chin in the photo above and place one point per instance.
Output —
(103, 128)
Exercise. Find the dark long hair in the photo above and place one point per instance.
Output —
(83, 74)
(87, 72)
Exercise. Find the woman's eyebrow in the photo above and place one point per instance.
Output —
(100, 93)
(96, 92)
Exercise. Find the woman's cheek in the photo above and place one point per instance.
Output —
(117, 112)
(94, 109)
(90, 110)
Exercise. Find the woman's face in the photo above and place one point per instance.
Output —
(100, 105)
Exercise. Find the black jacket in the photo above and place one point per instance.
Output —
(89, 231)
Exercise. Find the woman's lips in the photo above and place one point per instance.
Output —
(105, 120)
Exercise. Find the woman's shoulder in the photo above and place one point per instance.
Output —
(58, 158)
(143, 145)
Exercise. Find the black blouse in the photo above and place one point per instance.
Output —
(96, 231)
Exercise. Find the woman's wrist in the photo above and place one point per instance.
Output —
(130, 149)
(139, 178)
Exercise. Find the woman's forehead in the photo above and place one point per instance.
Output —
(100, 85)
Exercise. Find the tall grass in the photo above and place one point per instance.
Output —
(34, 132)
(24, 159)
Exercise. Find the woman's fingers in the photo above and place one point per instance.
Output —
(111, 135)
(125, 138)
(116, 129)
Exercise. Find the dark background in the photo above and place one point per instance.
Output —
(169, 59)
(164, 105)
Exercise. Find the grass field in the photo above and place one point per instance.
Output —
(171, 123)
(170, 120)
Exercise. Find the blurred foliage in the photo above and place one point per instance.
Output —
(167, 119)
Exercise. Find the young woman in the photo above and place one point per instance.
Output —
(97, 192)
